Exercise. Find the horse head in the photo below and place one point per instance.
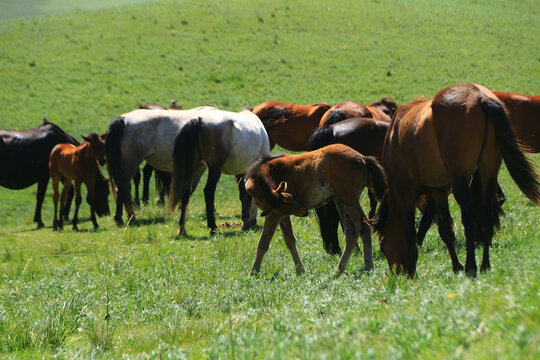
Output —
(101, 200)
(97, 145)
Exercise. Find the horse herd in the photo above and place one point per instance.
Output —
(408, 157)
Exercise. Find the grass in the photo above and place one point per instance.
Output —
(140, 292)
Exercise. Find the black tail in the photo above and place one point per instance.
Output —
(163, 181)
(322, 137)
(335, 116)
(376, 172)
(521, 169)
(114, 152)
(185, 159)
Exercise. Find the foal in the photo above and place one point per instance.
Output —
(307, 181)
(78, 164)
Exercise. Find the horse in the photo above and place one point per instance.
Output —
(147, 135)
(287, 185)
(365, 135)
(80, 165)
(224, 142)
(163, 178)
(290, 125)
(381, 110)
(524, 114)
(438, 144)
(24, 155)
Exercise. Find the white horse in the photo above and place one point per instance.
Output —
(151, 134)
(224, 142)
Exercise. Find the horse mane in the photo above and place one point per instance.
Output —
(58, 130)
(382, 214)
(254, 169)
(263, 178)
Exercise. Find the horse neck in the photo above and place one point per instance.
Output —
(86, 152)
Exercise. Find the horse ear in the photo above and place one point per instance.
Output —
(281, 187)
(103, 136)
(85, 138)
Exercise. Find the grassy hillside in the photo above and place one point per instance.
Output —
(171, 298)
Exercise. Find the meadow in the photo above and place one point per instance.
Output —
(141, 292)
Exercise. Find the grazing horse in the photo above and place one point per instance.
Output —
(524, 114)
(291, 185)
(80, 165)
(224, 142)
(290, 125)
(24, 155)
(365, 135)
(381, 110)
(434, 145)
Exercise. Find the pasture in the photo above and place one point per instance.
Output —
(142, 292)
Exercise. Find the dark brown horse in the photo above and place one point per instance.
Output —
(290, 125)
(80, 165)
(291, 185)
(524, 114)
(365, 135)
(434, 145)
(24, 155)
(381, 110)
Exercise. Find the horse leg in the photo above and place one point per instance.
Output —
(490, 207)
(269, 228)
(67, 206)
(446, 232)
(209, 192)
(288, 236)
(328, 217)
(353, 219)
(63, 200)
(136, 182)
(78, 201)
(194, 180)
(147, 174)
(123, 197)
(425, 221)
(41, 190)
(91, 197)
(462, 195)
(55, 201)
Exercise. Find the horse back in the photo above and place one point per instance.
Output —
(25, 154)
(524, 115)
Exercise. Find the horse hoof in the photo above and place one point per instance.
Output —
(40, 225)
(248, 225)
(75, 228)
(181, 232)
(459, 267)
(119, 221)
(213, 231)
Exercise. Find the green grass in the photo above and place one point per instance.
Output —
(140, 292)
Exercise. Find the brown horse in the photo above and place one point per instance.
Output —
(291, 185)
(524, 114)
(365, 135)
(290, 125)
(434, 145)
(80, 165)
(381, 110)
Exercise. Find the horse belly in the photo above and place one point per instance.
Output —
(318, 195)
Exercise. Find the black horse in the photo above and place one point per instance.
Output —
(24, 159)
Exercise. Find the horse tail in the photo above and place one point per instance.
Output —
(335, 117)
(163, 180)
(113, 151)
(521, 169)
(322, 137)
(185, 154)
(376, 174)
